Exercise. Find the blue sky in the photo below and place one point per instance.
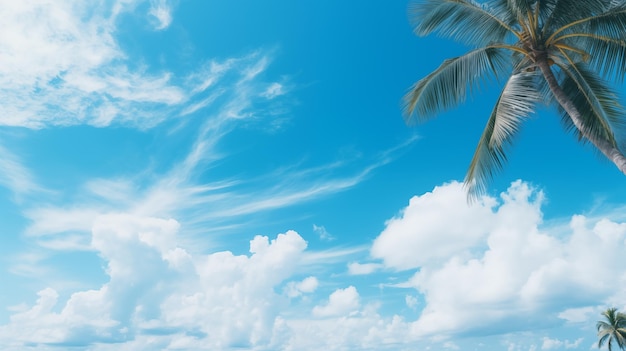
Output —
(204, 175)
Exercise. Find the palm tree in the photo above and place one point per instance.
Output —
(613, 329)
(560, 52)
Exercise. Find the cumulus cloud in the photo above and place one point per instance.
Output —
(510, 267)
(432, 227)
(159, 293)
(340, 302)
(306, 286)
(156, 287)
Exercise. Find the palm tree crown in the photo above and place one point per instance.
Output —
(612, 329)
(560, 52)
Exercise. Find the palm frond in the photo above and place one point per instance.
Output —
(602, 340)
(560, 13)
(515, 103)
(611, 23)
(605, 54)
(545, 8)
(597, 103)
(612, 330)
(463, 20)
(448, 85)
(602, 325)
(521, 7)
(608, 21)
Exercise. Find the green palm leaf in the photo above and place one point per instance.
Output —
(521, 7)
(516, 103)
(605, 54)
(464, 20)
(602, 37)
(560, 13)
(448, 85)
(610, 22)
(612, 330)
(557, 51)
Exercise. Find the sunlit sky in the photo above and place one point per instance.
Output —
(237, 175)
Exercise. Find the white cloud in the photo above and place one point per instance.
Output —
(433, 226)
(159, 292)
(273, 90)
(15, 176)
(175, 193)
(50, 220)
(162, 12)
(363, 330)
(549, 343)
(450, 345)
(411, 301)
(63, 66)
(306, 286)
(155, 286)
(322, 233)
(577, 315)
(355, 268)
(511, 268)
(341, 302)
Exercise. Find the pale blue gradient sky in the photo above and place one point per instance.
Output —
(237, 175)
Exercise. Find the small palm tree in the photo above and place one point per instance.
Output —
(559, 52)
(612, 329)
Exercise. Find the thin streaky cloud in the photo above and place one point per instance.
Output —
(305, 189)
(333, 255)
(53, 220)
(15, 176)
(176, 193)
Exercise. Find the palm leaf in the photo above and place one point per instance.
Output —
(520, 8)
(464, 20)
(606, 54)
(561, 13)
(448, 85)
(611, 22)
(612, 330)
(515, 103)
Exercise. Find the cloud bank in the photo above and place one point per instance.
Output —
(516, 270)
(481, 265)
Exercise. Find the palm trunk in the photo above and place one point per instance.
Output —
(608, 149)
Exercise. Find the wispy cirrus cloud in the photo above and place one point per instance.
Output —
(65, 67)
(183, 190)
(15, 176)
